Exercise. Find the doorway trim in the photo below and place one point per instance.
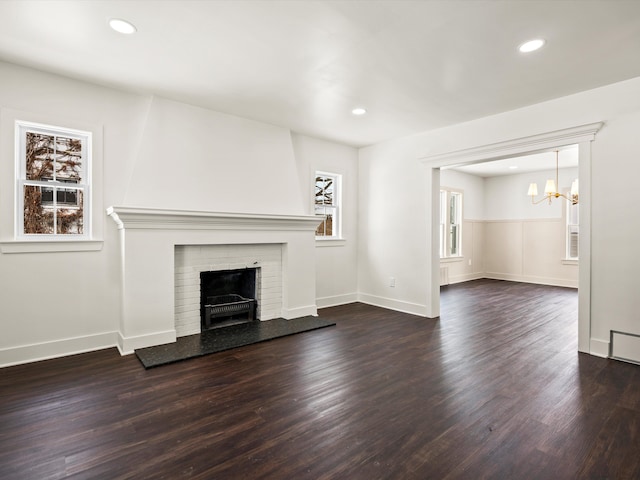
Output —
(582, 135)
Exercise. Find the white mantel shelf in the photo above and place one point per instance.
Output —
(159, 219)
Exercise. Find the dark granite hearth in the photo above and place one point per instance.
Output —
(225, 338)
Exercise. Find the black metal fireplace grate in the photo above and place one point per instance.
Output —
(225, 306)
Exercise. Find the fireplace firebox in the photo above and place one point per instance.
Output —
(227, 297)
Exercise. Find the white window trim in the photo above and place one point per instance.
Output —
(330, 242)
(456, 259)
(337, 239)
(46, 246)
(10, 241)
(570, 261)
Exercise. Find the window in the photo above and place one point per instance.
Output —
(573, 231)
(53, 185)
(327, 203)
(450, 223)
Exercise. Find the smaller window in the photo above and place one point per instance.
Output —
(573, 231)
(450, 223)
(327, 203)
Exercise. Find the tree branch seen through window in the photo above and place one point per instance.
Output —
(327, 193)
(52, 182)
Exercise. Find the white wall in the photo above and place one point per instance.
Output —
(336, 261)
(198, 159)
(57, 303)
(506, 196)
(472, 186)
(395, 167)
(616, 225)
(154, 153)
(392, 227)
(526, 242)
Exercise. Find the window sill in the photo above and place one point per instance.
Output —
(51, 246)
(451, 259)
(330, 242)
(570, 261)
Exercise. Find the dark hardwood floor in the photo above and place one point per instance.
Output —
(493, 389)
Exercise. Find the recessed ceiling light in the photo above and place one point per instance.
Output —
(513, 167)
(359, 111)
(122, 26)
(531, 45)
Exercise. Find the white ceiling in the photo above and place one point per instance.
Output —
(567, 158)
(414, 65)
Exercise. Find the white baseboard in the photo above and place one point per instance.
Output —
(391, 304)
(599, 348)
(308, 311)
(56, 348)
(556, 282)
(127, 345)
(465, 277)
(336, 300)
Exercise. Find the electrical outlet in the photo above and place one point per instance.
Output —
(469, 262)
(392, 282)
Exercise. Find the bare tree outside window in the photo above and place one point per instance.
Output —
(53, 187)
(327, 204)
(324, 197)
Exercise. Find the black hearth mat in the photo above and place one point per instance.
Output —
(225, 338)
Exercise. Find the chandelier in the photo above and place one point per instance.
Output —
(551, 190)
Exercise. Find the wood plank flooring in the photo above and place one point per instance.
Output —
(494, 389)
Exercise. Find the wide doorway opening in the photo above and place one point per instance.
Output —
(549, 142)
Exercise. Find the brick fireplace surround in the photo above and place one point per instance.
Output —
(191, 260)
(155, 244)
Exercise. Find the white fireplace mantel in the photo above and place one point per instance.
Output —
(148, 238)
(152, 218)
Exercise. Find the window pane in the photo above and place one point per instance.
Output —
(68, 159)
(573, 214)
(454, 239)
(321, 227)
(573, 242)
(39, 150)
(452, 209)
(325, 229)
(455, 208)
(324, 190)
(67, 196)
(46, 195)
(36, 218)
(69, 221)
(572, 230)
